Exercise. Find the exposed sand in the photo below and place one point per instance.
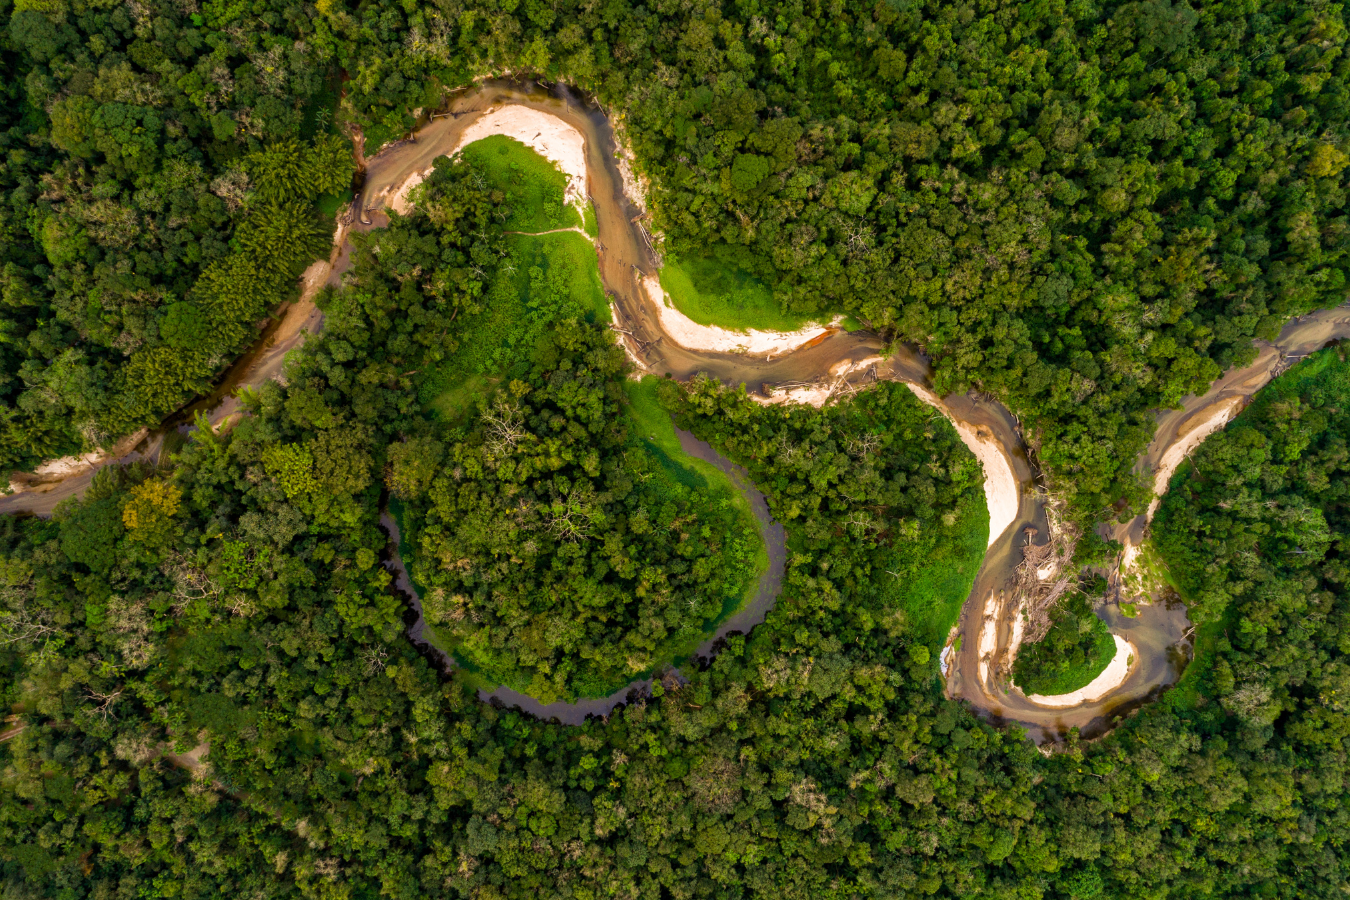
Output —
(548, 135)
(816, 396)
(1112, 677)
(66, 465)
(1019, 626)
(819, 394)
(626, 342)
(1212, 421)
(51, 474)
(1000, 484)
(988, 636)
(692, 336)
(400, 202)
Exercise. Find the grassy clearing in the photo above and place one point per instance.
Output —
(591, 226)
(713, 293)
(652, 424)
(534, 187)
(543, 279)
(931, 596)
(554, 277)
(329, 204)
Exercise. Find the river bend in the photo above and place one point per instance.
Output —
(987, 633)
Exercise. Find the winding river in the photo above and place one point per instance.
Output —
(987, 633)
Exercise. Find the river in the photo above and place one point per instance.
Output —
(977, 673)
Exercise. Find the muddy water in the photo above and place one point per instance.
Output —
(1299, 338)
(1161, 633)
(576, 713)
(262, 362)
(625, 258)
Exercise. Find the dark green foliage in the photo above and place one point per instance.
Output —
(1089, 209)
(556, 552)
(123, 168)
(879, 493)
(1074, 651)
(89, 534)
(814, 758)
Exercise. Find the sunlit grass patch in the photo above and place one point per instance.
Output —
(929, 580)
(713, 293)
(533, 187)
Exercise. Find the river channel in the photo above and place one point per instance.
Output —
(987, 633)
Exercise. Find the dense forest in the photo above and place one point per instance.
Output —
(214, 694)
(160, 183)
(1088, 209)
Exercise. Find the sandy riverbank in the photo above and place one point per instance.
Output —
(692, 336)
(547, 135)
(1000, 485)
(1112, 677)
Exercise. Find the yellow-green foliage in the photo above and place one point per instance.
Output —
(292, 467)
(281, 236)
(290, 170)
(153, 382)
(151, 506)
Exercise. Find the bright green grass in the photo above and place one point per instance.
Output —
(932, 591)
(555, 277)
(329, 204)
(712, 293)
(591, 226)
(533, 186)
(1322, 374)
(653, 425)
(543, 279)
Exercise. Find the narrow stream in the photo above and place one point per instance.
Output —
(576, 712)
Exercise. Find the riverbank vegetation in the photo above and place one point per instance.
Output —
(234, 597)
(558, 552)
(532, 189)
(1075, 650)
(1088, 209)
(713, 293)
(907, 550)
(538, 280)
(558, 549)
(160, 182)
(1249, 532)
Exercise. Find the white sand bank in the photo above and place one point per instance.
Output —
(67, 465)
(1019, 627)
(988, 636)
(818, 395)
(1215, 419)
(1000, 485)
(692, 336)
(546, 134)
(1112, 677)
